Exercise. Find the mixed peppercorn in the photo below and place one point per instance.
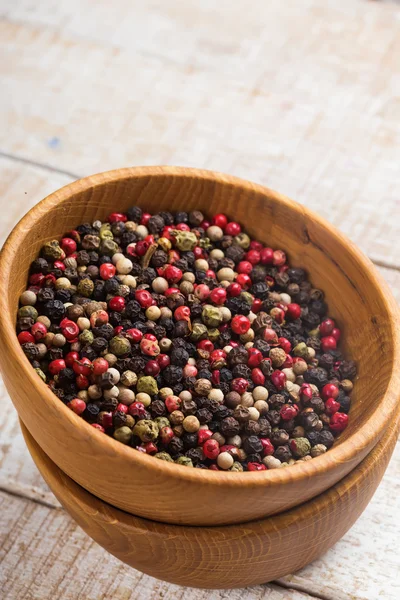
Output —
(188, 341)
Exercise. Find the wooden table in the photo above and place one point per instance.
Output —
(302, 95)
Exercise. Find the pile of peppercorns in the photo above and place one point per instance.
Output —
(187, 340)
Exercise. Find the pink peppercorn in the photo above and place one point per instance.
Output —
(163, 360)
(328, 343)
(82, 367)
(206, 345)
(77, 406)
(336, 333)
(331, 406)
(117, 217)
(166, 435)
(117, 303)
(56, 366)
(144, 298)
(137, 409)
(278, 378)
(326, 327)
(268, 447)
(145, 218)
(279, 258)
(100, 365)
(233, 228)
(240, 324)
(244, 267)
(149, 448)
(293, 311)
(253, 257)
(220, 220)
(172, 274)
(98, 427)
(211, 449)
(134, 334)
(173, 403)
(239, 385)
(107, 271)
(182, 313)
(267, 256)
(330, 390)
(234, 289)
(289, 411)
(244, 280)
(285, 344)
(256, 306)
(253, 466)
(68, 245)
(254, 357)
(338, 422)
(257, 376)
(218, 296)
(203, 435)
(152, 368)
(122, 408)
(25, 337)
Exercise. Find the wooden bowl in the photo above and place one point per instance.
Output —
(224, 556)
(358, 298)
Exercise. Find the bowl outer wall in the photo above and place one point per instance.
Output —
(172, 493)
(225, 556)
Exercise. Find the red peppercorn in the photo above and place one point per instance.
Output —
(145, 218)
(268, 447)
(166, 435)
(82, 366)
(203, 435)
(253, 466)
(172, 274)
(107, 271)
(257, 305)
(278, 314)
(82, 382)
(182, 313)
(205, 224)
(328, 343)
(59, 265)
(267, 256)
(149, 447)
(244, 280)
(150, 336)
(306, 392)
(211, 449)
(279, 258)
(234, 289)
(240, 324)
(285, 344)
(77, 405)
(69, 329)
(117, 303)
(293, 311)
(190, 371)
(198, 252)
(116, 217)
(25, 337)
(288, 362)
(220, 220)
(182, 227)
(134, 334)
(98, 427)
(214, 467)
(152, 368)
(289, 411)
(338, 422)
(258, 377)
(331, 406)
(239, 385)
(163, 360)
(218, 296)
(166, 232)
(278, 378)
(233, 228)
(244, 267)
(255, 357)
(56, 366)
(100, 366)
(326, 327)
(206, 345)
(144, 298)
(330, 390)
(118, 329)
(173, 403)
(137, 409)
(149, 347)
(271, 337)
(71, 357)
(107, 420)
(336, 334)
(36, 279)
(68, 245)
(122, 408)
(216, 377)
(253, 257)
(141, 247)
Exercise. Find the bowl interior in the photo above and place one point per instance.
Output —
(357, 297)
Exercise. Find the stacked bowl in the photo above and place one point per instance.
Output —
(191, 526)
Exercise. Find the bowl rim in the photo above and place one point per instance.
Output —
(361, 440)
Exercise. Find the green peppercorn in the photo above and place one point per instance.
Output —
(242, 240)
(85, 287)
(236, 466)
(148, 385)
(52, 251)
(146, 430)
(105, 232)
(119, 346)
(86, 337)
(41, 374)
(199, 332)
(128, 378)
(163, 456)
(184, 460)
(211, 316)
(301, 350)
(28, 311)
(213, 334)
(108, 246)
(161, 422)
(184, 240)
(300, 447)
(123, 434)
(247, 297)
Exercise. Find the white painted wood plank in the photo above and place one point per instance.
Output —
(44, 555)
(315, 116)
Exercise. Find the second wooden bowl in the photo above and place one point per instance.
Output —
(228, 556)
(357, 296)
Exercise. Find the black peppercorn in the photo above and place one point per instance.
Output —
(189, 440)
(265, 427)
(252, 444)
(280, 437)
(310, 420)
(283, 453)
(274, 417)
(229, 426)
(176, 445)
(195, 454)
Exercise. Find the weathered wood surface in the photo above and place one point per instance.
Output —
(301, 95)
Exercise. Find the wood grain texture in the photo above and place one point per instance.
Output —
(230, 556)
(314, 116)
(357, 296)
